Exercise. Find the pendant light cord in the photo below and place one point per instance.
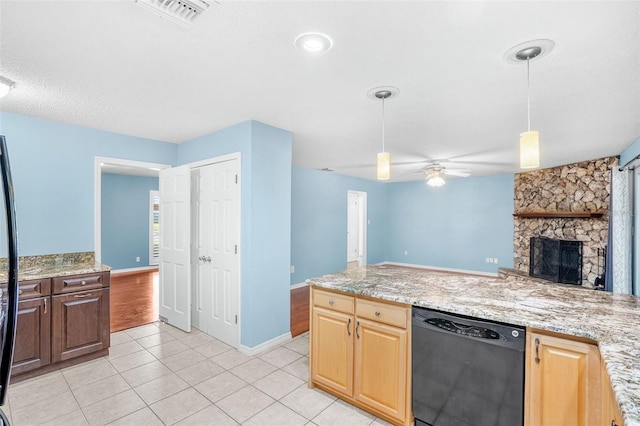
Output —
(528, 99)
(383, 125)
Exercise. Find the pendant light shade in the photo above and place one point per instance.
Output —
(435, 181)
(383, 166)
(529, 150)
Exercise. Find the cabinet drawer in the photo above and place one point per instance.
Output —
(382, 312)
(75, 283)
(34, 288)
(337, 302)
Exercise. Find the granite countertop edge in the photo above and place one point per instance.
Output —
(63, 270)
(571, 311)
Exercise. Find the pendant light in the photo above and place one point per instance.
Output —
(529, 140)
(383, 163)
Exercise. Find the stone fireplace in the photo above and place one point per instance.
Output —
(569, 202)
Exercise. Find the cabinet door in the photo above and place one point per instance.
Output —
(332, 349)
(611, 415)
(381, 367)
(33, 334)
(80, 324)
(563, 382)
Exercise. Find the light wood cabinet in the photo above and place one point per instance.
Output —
(563, 384)
(611, 415)
(360, 352)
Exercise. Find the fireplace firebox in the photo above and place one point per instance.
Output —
(556, 260)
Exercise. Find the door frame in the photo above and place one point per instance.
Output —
(97, 193)
(363, 222)
(207, 162)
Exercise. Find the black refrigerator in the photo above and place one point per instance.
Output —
(9, 274)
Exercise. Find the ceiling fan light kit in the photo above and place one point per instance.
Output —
(435, 181)
(529, 140)
(6, 86)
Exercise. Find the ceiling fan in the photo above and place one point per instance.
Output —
(434, 172)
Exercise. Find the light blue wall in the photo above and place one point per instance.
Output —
(265, 221)
(52, 165)
(454, 226)
(319, 221)
(630, 153)
(125, 219)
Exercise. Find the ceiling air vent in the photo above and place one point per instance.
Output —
(183, 12)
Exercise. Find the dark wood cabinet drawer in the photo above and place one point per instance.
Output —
(33, 335)
(80, 324)
(75, 283)
(34, 288)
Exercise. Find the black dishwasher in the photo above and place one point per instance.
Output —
(466, 371)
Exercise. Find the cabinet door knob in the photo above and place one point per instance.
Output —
(377, 313)
(537, 359)
(331, 302)
(19, 291)
(83, 282)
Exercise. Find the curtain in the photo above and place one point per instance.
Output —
(618, 273)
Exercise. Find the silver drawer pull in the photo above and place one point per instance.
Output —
(81, 296)
(331, 302)
(83, 282)
(19, 291)
(377, 313)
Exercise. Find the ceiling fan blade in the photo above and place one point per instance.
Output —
(457, 172)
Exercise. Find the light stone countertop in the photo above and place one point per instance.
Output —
(612, 320)
(52, 271)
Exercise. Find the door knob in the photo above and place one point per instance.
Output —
(209, 259)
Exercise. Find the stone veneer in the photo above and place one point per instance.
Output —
(578, 187)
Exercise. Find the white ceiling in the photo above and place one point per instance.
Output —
(113, 65)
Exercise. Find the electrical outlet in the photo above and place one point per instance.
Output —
(406, 253)
(293, 269)
(487, 260)
(137, 258)
(495, 260)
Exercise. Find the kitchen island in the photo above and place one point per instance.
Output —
(613, 321)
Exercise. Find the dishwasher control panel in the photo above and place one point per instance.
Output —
(466, 330)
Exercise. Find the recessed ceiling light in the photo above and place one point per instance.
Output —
(314, 42)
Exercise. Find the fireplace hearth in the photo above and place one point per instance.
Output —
(556, 260)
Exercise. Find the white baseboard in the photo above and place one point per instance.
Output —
(133, 270)
(264, 346)
(438, 268)
(299, 285)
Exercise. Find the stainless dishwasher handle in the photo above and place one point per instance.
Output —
(349, 327)
(537, 359)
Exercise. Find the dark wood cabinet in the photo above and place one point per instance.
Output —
(80, 324)
(33, 335)
(61, 319)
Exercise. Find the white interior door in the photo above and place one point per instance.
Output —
(175, 238)
(216, 234)
(357, 227)
(353, 226)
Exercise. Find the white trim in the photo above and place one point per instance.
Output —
(299, 285)
(438, 268)
(363, 223)
(262, 347)
(97, 195)
(130, 270)
(220, 159)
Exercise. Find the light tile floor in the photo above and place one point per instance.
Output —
(159, 375)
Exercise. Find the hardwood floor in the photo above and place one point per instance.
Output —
(299, 310)
(134, 302)
(134, 299)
